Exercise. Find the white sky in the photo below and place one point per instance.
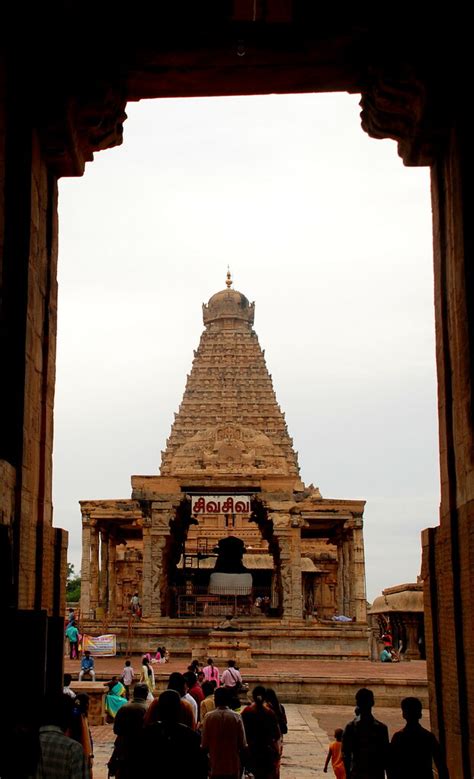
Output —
(325, 230)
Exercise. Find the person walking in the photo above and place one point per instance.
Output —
(72, 634)
(223, 737)
(335, 756)
(188, 717)
(263, 736)
(365, 741)
(208, 704)
(128, 725)
(80, 730)
(147, 676)
(211, 672)
(414, 749)
(59, 755)
(271, 700)
(128, 675)
(169, 748)
(194, 690)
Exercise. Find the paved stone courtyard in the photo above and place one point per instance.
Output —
(309, 731)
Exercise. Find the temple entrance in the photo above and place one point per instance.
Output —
(195, 556)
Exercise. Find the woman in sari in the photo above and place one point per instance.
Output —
(116, 697)
(271, 699)
(263, 737)
(147, 676)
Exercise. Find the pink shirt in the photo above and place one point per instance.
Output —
(211, 674)
(231, 677)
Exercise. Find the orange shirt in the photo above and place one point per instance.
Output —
(336, 754)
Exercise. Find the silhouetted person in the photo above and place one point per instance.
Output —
(223, 737)
(170, 750)
(177, 683)
(59, 754)
(413, 749)
(128, 726)
(263, 737)
(365, 742)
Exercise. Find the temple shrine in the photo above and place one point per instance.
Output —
(228, 527)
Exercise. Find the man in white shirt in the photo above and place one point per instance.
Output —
(223, 737)
(231, 677)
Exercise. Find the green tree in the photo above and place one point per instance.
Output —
(73, 585)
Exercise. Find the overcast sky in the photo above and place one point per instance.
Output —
(329, 234)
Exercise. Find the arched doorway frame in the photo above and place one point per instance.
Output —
(409, 94)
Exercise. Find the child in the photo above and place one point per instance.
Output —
(127, 677)
(335, 755)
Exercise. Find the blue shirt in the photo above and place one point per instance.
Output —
(87, 663)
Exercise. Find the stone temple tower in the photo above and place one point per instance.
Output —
(229, 421)
(228, 483)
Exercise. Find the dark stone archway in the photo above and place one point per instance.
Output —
(60, 101)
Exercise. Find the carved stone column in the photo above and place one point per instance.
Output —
(159, 533)
(112, 577)
(296, 574)
(285, 573)
(340, 578)
(86, 568)
(94, 567)
(147, 568)
(290, 577)
(104, 566)
(359, 597)
(346, 575)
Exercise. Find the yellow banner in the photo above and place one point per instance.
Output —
(100, 646)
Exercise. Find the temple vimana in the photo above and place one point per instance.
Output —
(228, 527)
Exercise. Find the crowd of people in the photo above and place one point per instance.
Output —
(200, 728)
(207, 725)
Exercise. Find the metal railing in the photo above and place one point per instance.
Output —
(198, 602)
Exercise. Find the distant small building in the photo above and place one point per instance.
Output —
(399, 610)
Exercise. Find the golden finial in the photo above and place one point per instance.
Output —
(228, 281)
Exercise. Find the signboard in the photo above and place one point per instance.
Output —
(100, 646)
(220, 504)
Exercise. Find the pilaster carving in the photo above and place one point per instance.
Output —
(86, 567)
(94, 568)
(104, 564)
(112, 576)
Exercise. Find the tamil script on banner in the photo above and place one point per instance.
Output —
(100, 646)
(220, 504)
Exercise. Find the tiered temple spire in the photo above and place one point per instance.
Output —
(229, 416)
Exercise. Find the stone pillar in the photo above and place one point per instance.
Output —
(340, 578)
(112, 579)
(289, 540)
(94, 567)
(411, 623)
(104, 568)
(86, 568)
(285, 573)
(346, 576)
(359, 597)
(147, 568)
(296, 574)
(159, 533)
